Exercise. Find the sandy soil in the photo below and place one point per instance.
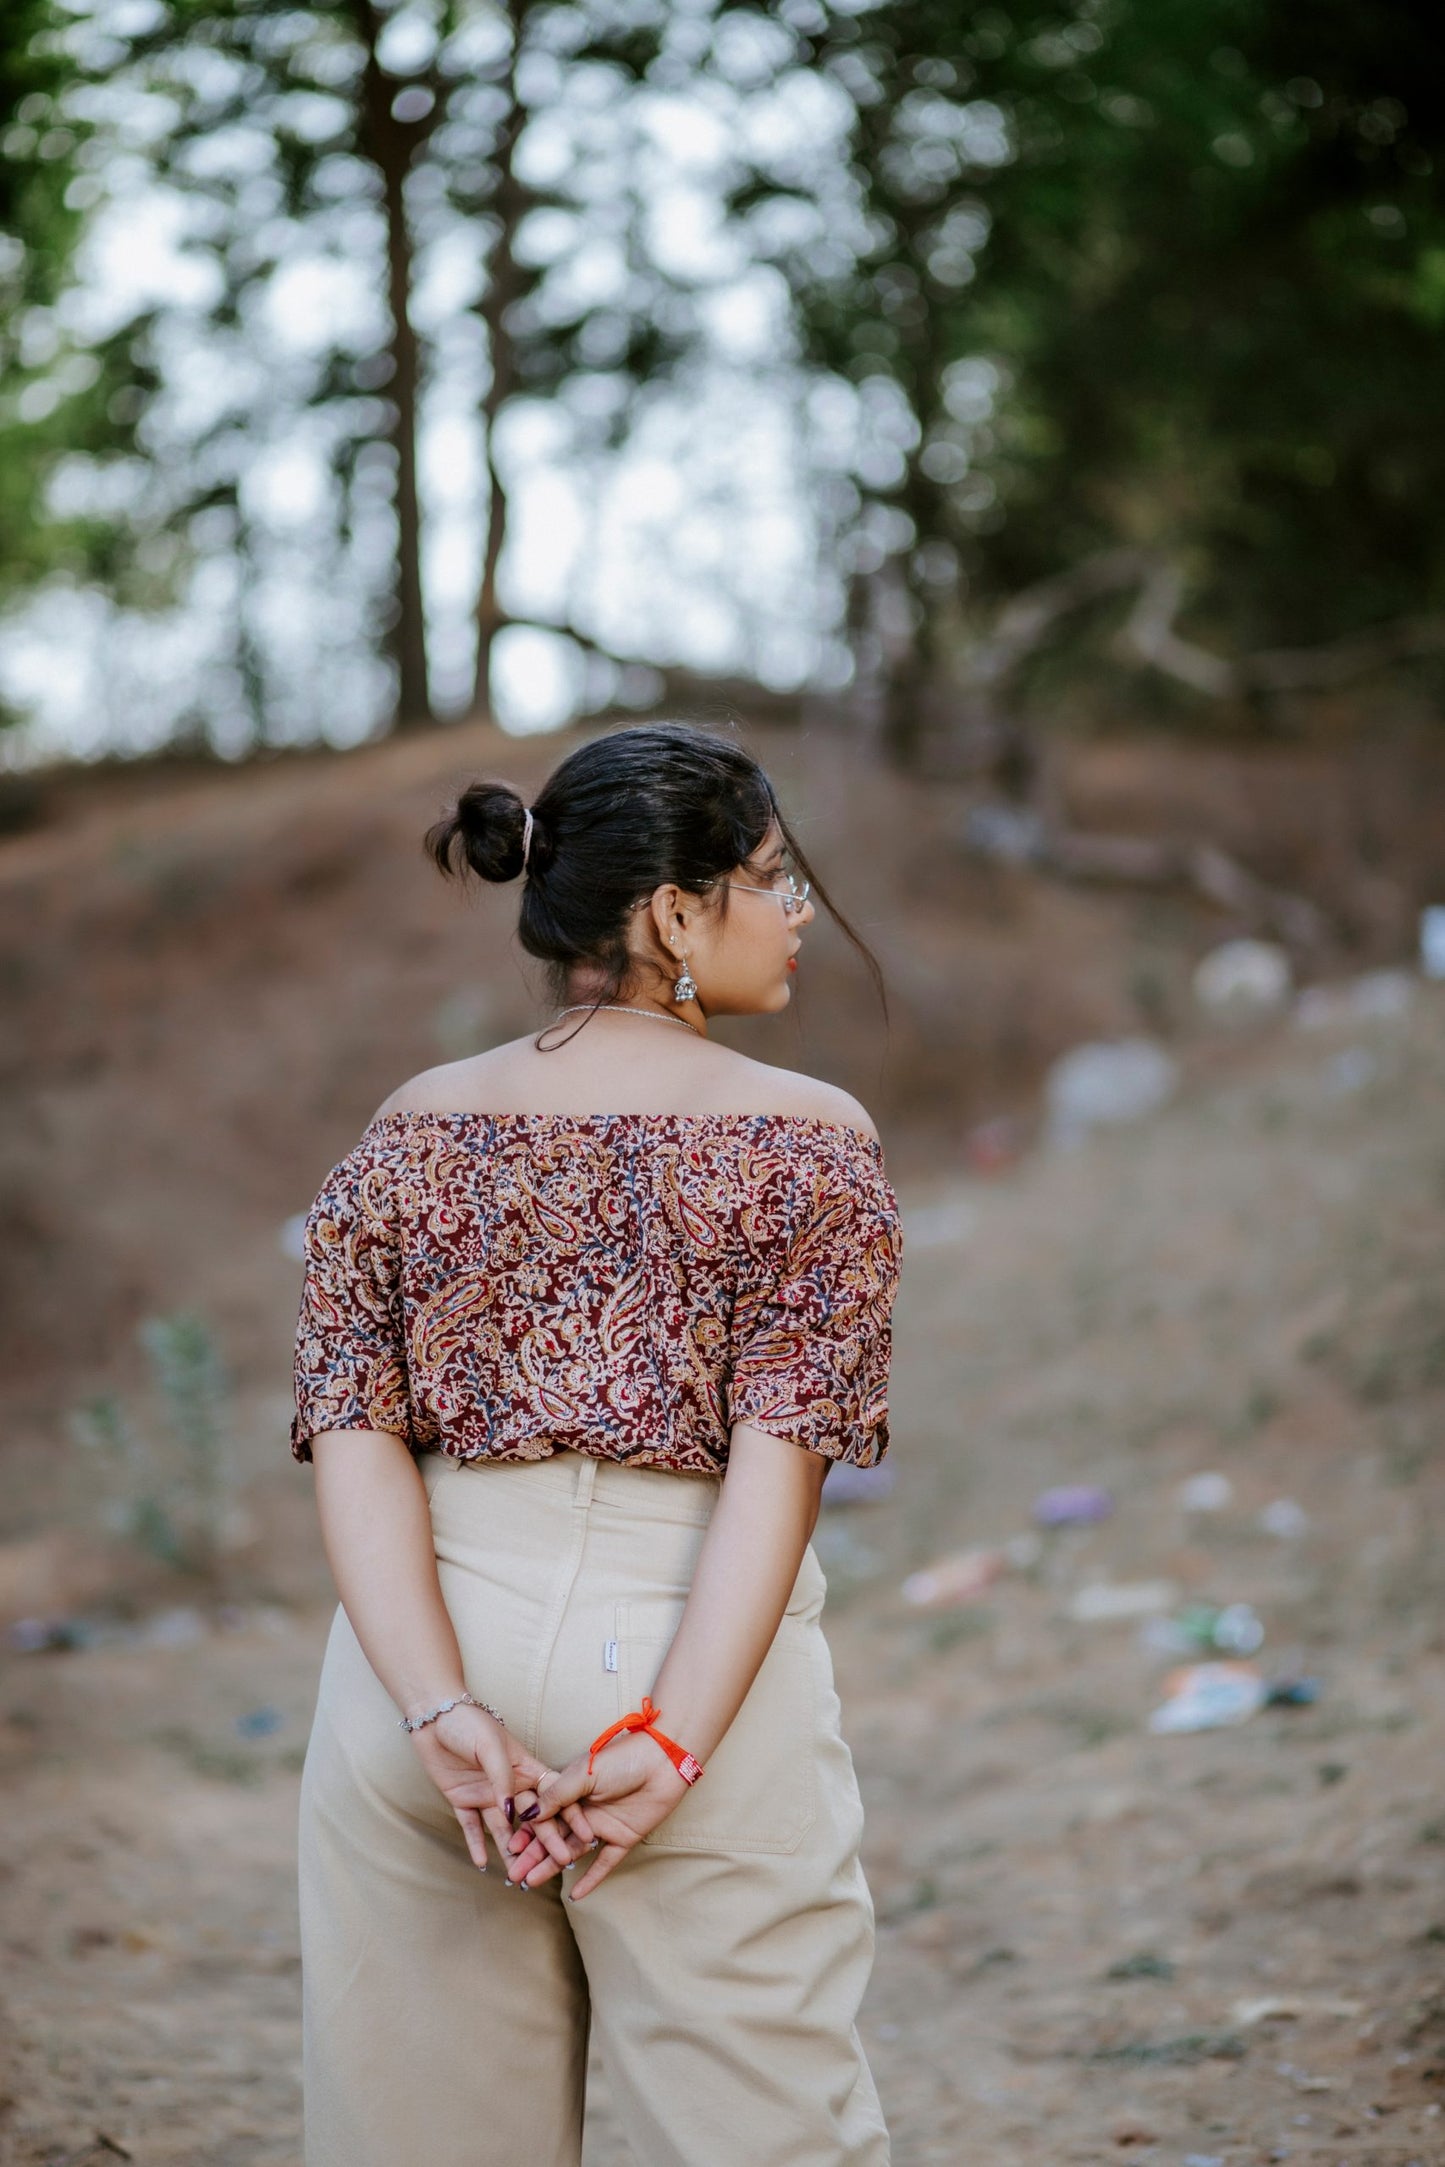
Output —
(1094, 1943)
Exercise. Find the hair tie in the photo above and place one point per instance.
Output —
(526, 834)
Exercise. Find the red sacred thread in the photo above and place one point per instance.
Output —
(645, 1718)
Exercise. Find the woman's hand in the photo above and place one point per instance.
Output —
(631, 1791)
(746, 1570)
(376, 1524)
(488, 1778)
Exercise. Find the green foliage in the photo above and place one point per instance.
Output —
(166, 1487)
(1179, 2053)
(191, 1385)
(60, 393)
(1144, 1964)
(103, 1430)
(1156, 272)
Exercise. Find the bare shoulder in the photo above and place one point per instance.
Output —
(453, 1087)
(516, 1077)
(786, 1091)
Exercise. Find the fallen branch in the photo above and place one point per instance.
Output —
(1026, 620)
(1320, 669)
(1150, 635)
(1007, 834)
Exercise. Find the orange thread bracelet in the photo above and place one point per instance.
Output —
(688, 1766)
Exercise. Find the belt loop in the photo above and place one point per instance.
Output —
(586, 1481)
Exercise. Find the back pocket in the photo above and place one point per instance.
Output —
(758, 1792)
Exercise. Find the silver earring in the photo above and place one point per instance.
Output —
(686, 987)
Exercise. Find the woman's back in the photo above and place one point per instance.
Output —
(506, 1284)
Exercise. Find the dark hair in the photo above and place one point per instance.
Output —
(624, 813)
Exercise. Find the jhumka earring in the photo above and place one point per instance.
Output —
(686, 986)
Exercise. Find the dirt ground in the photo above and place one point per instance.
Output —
(208, 981)
(1094, 1943)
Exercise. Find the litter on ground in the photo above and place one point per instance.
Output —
(1075, 1504)
(1104, 1083)
(955, 1580)
(1209, 1697)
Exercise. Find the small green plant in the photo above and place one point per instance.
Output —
(1146, 1964)
(1181, 2053)
(959, 1625)
(1092, 1726)
(1410, 1442)
(103, 1429)
(1258, 1408)
(923, 1896)
(167, 1487)
(223, 1764)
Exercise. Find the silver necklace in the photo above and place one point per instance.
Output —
(620, 1008)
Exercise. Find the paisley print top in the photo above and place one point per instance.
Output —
(505, 1286)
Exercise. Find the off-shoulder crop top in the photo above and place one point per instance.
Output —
(506, 1286)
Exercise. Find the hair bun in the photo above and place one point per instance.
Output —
(483, 834)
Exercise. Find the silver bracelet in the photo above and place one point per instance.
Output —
(463, 1700)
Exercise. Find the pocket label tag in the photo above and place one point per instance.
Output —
(609, 1655)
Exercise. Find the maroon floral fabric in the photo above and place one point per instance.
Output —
(506, 1286)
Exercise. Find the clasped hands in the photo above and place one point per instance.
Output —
(557, 1816)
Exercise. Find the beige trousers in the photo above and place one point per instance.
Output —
(718, 1969)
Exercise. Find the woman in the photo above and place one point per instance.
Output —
(586, 1320)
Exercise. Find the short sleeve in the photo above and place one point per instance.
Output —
(813, 1340)
(350, 1366)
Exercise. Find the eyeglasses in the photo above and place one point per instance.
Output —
(787, 891)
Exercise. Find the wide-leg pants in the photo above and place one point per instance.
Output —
(718, 1969)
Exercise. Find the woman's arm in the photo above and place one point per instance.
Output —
(745, 1573)
(376, 1530)
(377, 1533)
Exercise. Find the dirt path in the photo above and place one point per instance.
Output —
(1094, 1943)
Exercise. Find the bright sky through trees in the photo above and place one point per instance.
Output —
(363, 361)
(662, 516)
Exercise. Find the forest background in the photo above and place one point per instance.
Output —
(967, 373)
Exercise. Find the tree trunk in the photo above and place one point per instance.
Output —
(503, 288)
(250, 653)
(912, 683)
(391, 146)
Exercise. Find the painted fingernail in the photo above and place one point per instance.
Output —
(530, 1813)
(509, 1808)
